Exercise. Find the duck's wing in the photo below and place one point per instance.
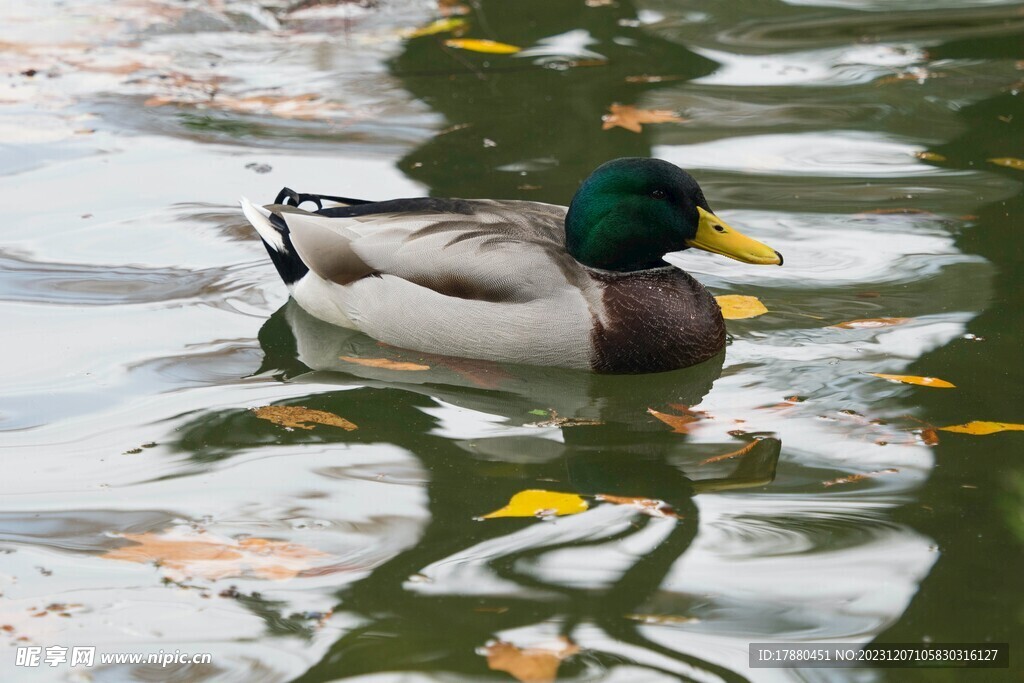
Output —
(485, 250)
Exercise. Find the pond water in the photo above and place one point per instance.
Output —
(143, 321)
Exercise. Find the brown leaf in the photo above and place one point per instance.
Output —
(298, 417)
(648, 506)
(386, 364)
(934, 382)
(680, 424)
(731, 454)
(930, 437)
(529, 665)
(870, 323)
(858, 477)
(632, 119)
(182, 555)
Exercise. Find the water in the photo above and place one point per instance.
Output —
(143, 320)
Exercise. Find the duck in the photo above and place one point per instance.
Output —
(585, 287)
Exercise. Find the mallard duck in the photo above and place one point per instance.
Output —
(581, 287)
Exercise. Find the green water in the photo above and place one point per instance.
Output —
(143, 321)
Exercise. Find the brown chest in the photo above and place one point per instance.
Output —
(654, 321)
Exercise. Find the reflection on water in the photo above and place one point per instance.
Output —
(812, 502)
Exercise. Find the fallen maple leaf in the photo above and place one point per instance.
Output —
(870, 323)
(529, 665)
(386, 364)
(934, 382)
(540, 503)
(183, 555)
(858, 477)
(731, 454)
(740, 306)
(632, 119)
(981, 428)
(299, 417)
(648, 506)
(491, 47)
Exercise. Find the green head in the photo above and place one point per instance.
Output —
(631, 212)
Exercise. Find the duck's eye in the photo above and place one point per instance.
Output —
(658, 194)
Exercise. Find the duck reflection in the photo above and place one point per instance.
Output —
(465, 580)
(529, 125)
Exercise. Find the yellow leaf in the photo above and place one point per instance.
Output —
(1009, 162)
(929, 156)
(539, 503)
(385, 364)
(632, 119)
(739, 306)
(435, 27)
(981, 428)
(648, 506)
(913, 379)
(298, 417)
(869, 323)
(529, 665)
(490, 47)
(182, 555)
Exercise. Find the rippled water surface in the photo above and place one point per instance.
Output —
(142, 321)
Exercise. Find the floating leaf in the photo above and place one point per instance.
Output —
(929, 156)
(491, 47)
(632, 119)
(981, 428)
(538, 411)
(870, 323)
(554, 420)
(914, 379)
(929, 437)
(680, 424)
(1009, 162)
(440, 26)
(385, 364)
(540, 503)
(731, 454)
(529, 665)
(858, 477)
(298, 417)
(740, 306)
(182, 555)
(648, 506)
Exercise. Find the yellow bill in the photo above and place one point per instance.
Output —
(716, 236)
